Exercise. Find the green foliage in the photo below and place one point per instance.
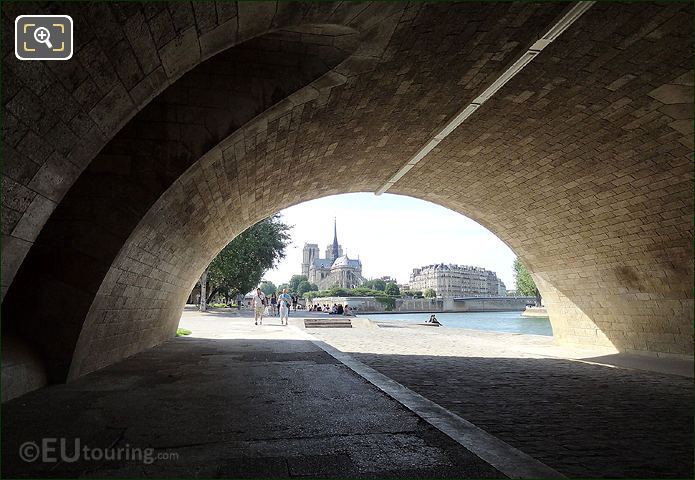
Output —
(240, 265)
(217, 305)
(304, 287)
(338, 292)
(366, 292)
(342, 292)
(375, 285)
(392, 289)
(430, 293)
(389, 303)
(180, 332)
(268, 287)
(293, 286)
(525, 285)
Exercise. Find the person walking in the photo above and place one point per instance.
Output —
(273, 304)
(294, 302)
(258, 306)
(284, 303)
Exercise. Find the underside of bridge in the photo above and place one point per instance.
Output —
(176, 126)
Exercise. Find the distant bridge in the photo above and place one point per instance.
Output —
(528, 299)
(487, 304)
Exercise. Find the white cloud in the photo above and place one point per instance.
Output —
(392, 234)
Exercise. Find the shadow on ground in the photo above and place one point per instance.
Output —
(229, 408)
(583, 420)
(277, 408)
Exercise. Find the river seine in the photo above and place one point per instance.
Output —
(510, 322)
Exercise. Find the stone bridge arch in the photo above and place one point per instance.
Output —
(582, 164)
(59, 115)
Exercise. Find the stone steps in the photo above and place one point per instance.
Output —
(327, 323)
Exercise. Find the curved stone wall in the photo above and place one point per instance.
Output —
(80, 241)
(59, 115)
(585, 160)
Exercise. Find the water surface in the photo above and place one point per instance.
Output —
(509, 322)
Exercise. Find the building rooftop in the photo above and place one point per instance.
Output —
(344, 261)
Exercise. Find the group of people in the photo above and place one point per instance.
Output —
(280, 303)
(336, 309)
(262, 305)
(274, 303)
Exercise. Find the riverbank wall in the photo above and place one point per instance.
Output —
(416, 305)
(374, 305)
(487, 304)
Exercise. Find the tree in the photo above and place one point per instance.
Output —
(366, 292)
(525, 286)
(295, 281)
(392, 289)
(311, 295)
(268, 287)
(241, 264)
(203, 284)
(304, 287)
(375, 284)
(430, 293)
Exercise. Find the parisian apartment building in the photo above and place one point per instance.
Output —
(450, 280)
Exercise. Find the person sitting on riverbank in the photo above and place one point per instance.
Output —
(433, 319)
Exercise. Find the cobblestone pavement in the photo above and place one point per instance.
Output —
(583, 420)
(244, 401)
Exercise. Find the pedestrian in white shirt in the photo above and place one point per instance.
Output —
(258, 306)
(285, 301)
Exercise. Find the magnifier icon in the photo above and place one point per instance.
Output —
(42, 35)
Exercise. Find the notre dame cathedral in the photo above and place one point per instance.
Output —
(336, 270)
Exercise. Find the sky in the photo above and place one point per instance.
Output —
(392, 234)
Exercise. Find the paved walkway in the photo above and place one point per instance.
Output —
(233, 401)
(582, 419)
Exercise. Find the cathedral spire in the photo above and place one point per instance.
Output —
(336, 248)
